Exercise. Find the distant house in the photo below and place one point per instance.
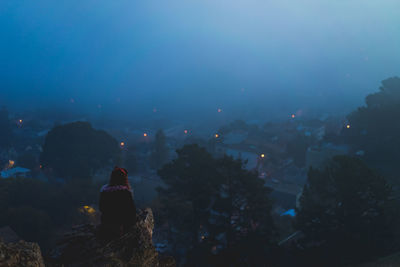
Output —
(15, 172)
(318, 157)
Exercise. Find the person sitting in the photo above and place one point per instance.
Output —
(118, 210)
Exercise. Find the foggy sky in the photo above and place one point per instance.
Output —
(192, 57)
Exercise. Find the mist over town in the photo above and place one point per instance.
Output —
(199, 133)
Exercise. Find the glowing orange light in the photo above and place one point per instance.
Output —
(348, 126)
(293, 116)
(203, 237)
(40, 166)
(89, 209)
(122, 144)
(145, 134)
(216, 135)
(11, 163)
(262, 155)
(20, 121)
(185, 131)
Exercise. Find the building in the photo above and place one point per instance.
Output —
(318, 157)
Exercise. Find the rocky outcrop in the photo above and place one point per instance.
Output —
(20, 254)
(82, 248)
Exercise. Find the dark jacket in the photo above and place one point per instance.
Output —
(118, 211)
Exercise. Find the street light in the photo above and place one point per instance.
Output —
(11, 163)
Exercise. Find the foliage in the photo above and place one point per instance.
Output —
(159, 155)
(36, 209)
(217, 207)
(189, 179)
(6, 134)
(245, 219)
(375, 128)
(76, 150)
(343, 209)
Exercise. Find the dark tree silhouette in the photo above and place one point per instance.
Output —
(221, 211)
(76, 150)
(343, 209)
(245, 219)
(189, 180)
(375, 128)
(5, 129)
(37, 210)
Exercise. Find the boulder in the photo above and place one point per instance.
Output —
(20, 253)
(81, 247)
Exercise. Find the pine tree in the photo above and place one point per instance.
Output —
(220, 211)
(343, 209)
(5, 129)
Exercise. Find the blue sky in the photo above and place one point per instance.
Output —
(134, 56)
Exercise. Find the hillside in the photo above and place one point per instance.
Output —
(81, 248)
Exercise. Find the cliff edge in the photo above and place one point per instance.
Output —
(20, 253)
(81, 248)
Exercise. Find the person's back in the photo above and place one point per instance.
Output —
(118, 211)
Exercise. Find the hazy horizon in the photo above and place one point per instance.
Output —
(187, 59)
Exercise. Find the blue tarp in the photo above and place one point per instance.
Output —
(290, 212)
